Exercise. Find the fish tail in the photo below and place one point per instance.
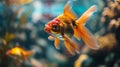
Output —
(29, 53)
(86, 15)
(86, 36)
(76, 34)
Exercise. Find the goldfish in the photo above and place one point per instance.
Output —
(65, 26)
(19, 53)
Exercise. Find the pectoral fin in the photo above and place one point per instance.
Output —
(56, 43)
(51, 38)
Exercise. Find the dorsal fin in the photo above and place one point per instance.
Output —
(68, 12)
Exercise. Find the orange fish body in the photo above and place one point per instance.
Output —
(65, 26)
(19, 53)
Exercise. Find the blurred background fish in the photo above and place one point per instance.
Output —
(19, 53)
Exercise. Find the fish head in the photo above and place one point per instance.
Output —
(53, 27)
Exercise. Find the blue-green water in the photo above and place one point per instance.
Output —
(24, 25)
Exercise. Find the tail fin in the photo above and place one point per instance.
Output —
(76, 34)
(86, 36)
(29, 53)
(86, 15)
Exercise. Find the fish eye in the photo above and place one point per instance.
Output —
(55, 28)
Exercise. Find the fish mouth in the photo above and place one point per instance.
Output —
(47, 29)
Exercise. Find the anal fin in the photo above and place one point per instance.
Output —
(72, 44)
(69, 48)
